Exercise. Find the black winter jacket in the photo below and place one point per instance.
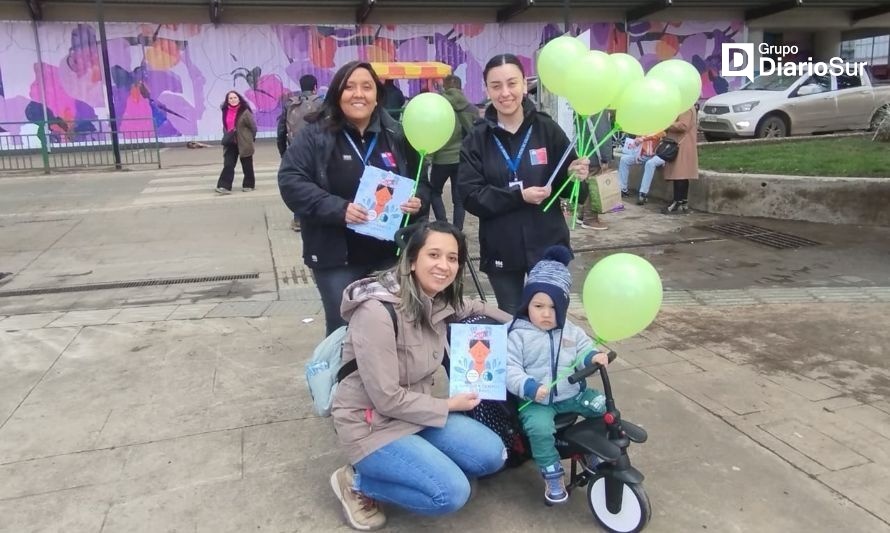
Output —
(513, 234)
(305, 188)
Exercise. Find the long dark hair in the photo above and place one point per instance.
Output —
(330, 111)
(242, 103)
(409, 291)
(499, 61)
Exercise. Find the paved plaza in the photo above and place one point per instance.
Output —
(153, 337)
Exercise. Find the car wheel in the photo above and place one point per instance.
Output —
(772, 126)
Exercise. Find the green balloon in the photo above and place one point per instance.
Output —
(627, 70)
(555, 61)
(428, 122)
(622, 295)
(682, 75)
(648, 106)
(591, 83)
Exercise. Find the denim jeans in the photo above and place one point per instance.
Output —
(330, 283)
(650, 163)
(427, 473)
(507, 288)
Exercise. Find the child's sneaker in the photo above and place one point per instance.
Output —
(361, 512)
(554, 484)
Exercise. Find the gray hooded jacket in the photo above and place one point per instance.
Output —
(536, 357)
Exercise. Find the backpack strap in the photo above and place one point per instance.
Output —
(352, 366)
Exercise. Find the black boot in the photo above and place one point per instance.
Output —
(642, 199)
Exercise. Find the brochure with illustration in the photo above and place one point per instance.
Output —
(382, 193)
(479, 360)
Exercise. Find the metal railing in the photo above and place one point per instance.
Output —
(61, 145)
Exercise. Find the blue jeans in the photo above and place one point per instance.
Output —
(427, 473)
(650, 163)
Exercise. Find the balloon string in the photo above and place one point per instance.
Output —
(576, 194)
(422, 154)
(606, 138)
(587, 150)
(568, 180)
(570, 371)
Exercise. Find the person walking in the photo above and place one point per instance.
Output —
(238, 143)
(505, 164)
(684, 130)
(446, 160)
(320, 174)
(293, 119)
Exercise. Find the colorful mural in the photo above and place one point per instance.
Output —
(696, 42)
(173, 77)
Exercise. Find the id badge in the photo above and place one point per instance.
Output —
(515, 182)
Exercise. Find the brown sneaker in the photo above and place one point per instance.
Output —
(361, 512)
(295, 225)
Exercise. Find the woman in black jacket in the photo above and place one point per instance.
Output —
(505, 163)
(319, 177)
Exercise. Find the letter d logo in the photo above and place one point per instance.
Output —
(737, 60)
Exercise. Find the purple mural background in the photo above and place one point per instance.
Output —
(173, 77)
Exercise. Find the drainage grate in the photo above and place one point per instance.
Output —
(125, 285)
(760, 235)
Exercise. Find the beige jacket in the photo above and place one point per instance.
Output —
(389, 396)
(685, 131)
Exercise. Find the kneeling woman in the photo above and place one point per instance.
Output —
(405, 446)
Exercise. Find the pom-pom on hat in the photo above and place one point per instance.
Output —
(551, 276)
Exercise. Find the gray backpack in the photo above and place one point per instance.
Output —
(297, 108)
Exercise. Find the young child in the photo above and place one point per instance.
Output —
(543, 346)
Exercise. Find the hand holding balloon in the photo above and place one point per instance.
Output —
(579, 169)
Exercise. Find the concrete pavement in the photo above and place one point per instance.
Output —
(140, 390)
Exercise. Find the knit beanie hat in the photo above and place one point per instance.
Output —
(551, 276)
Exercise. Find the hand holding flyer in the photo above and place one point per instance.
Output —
(382, 193)
(479, 360)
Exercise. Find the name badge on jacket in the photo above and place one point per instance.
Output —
(538, 156)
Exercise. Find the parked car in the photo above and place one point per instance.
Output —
(778, 105)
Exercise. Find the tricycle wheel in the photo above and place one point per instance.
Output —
(633, 513)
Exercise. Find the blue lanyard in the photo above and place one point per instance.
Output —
(371, 146)
(513, 162)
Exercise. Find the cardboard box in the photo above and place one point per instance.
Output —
(605, 194)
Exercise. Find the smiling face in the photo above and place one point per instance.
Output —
(542, 312)
(359, 97)
(233, 99)
(505, 86)
(437, 264)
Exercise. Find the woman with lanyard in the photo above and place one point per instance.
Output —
(505, 165)
(319, 177)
